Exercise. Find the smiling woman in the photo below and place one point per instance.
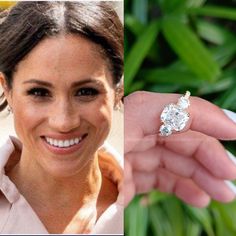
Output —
(61, 65)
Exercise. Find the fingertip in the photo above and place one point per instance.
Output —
(227, 192)
(199, 199)
(190, 193)
(232, 188)
(228, 167)
(231, 115)
(202, 202)
(129, 193)
(211, 120)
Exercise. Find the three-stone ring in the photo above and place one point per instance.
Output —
(175, 116)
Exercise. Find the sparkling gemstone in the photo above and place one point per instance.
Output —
(175, 117)
(165, 130)
(183, 103)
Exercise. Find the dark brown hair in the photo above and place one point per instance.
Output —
(27, 23)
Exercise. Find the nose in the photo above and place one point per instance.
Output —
(63, 117)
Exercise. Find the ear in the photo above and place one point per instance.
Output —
(119, 94)
(6, 89)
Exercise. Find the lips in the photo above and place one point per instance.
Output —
(63, 145)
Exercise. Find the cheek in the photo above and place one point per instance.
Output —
(100, 115)
(26, 117)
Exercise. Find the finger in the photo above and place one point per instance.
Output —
(142, 117)
(211, 120)
(128, 186)
(144, 181)
(183, 188)
(185, 153)
(146, 143)
(181, 166)
(189, 192)
(216, 188)
(206, 150)
(169, 182)
(191, 169)
(146, 161)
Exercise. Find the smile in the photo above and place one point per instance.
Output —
(63, 143)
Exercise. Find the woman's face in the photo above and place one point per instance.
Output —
(62, 100)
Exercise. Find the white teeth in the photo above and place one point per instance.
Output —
(55, 143)
(62, 143)
(76, 140)
(72, 142)
(51, 141)
(66, 143)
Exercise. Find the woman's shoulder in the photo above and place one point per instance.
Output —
(108, 149)
(111, 163)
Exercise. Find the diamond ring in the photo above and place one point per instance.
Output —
(174, 116)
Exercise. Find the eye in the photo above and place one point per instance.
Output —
(87, 92)
(39, 92)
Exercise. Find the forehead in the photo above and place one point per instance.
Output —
(64, 56)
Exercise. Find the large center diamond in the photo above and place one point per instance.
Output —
(175, 117)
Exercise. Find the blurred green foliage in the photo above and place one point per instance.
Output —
(172, 46)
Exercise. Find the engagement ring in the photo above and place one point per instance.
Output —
(174, 116)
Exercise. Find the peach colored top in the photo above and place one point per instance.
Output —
(18, 217)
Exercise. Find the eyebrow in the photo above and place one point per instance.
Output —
(74, 84)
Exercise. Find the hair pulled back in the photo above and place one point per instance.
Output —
(27, 23)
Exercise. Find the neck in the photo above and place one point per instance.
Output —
(38, 187)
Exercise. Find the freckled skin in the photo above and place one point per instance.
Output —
(61, 61)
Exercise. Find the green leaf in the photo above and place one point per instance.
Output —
(214, 33)
(215, 11)
(195, 3)
(190, 49)
(139, 8)
(136, 85)
(192, 228)
(226, 82)
(163, 88)
(137, 218)
(171, 76)
(228, 99)
(135, 26)
(224, 217)
(174, 211)
(155, 197)
(202, 216)
(139, 51)
(170, 6)
(228, 215)
(223, 54)
(220, 228)
(155, 214)
(159, 221)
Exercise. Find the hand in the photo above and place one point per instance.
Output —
(191, 164)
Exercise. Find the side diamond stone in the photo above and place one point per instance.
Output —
(165, 130)
(183, 103)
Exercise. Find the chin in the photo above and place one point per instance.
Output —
(65, 168)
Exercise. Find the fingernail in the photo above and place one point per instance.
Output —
(230, 114)
(231, 186)
(231, 157)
